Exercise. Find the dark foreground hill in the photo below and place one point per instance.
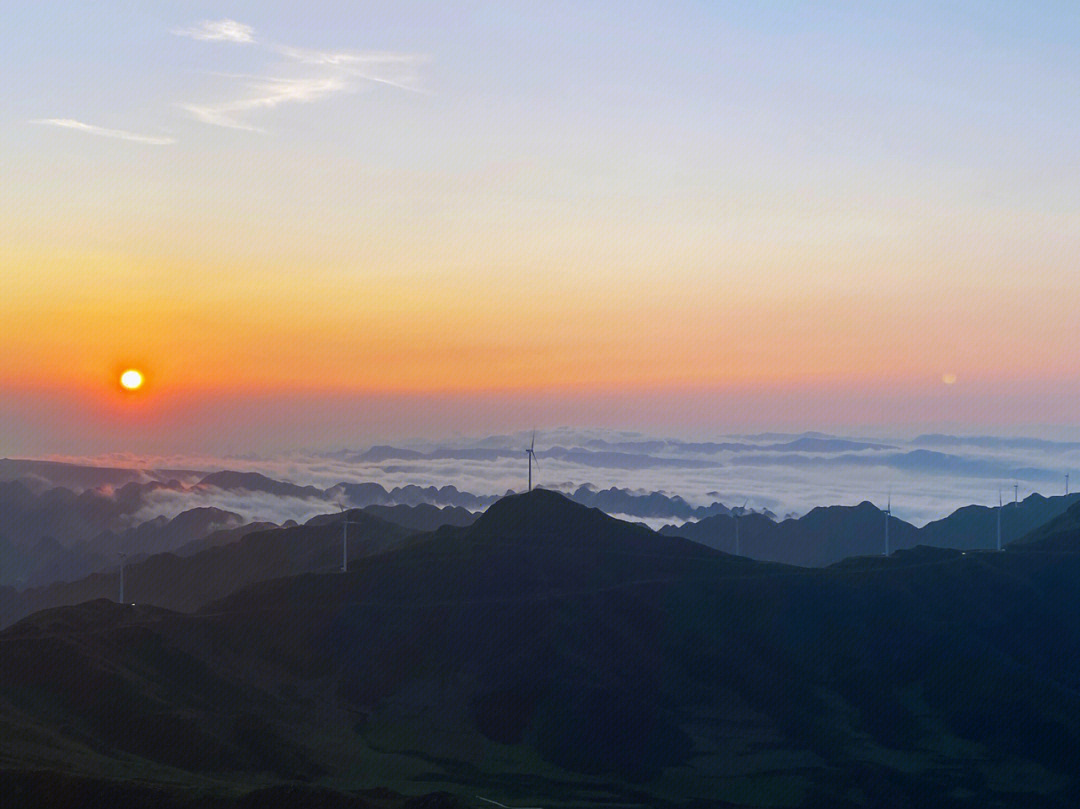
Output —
(549, 655)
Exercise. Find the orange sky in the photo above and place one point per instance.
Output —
(763, 211)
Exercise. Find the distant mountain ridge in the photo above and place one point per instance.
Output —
(185, 582)
(827, 535)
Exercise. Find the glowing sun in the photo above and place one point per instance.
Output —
(131, 379)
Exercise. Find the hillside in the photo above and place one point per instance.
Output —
(185, 582)
(826, 535)
(550, 655)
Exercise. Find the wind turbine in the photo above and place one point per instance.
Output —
(888, 516)
(532, 457)
(345, 523)
(1066, 484)
(122, 556)
(999, 521)
(743, 509)
(1016, 493)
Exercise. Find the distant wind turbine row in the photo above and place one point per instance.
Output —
(530, 452)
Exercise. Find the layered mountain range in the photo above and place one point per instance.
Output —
(548, 654)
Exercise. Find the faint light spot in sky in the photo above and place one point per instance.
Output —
(948, 379)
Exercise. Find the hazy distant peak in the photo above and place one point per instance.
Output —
(256, 482)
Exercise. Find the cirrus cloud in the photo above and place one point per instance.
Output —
(318, 75)
(91, 129)
(219, 31)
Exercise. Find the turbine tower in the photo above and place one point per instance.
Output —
(1066, 484)
(532, 457)
(122, 557)
(999, 521)
(345, 523)
(1016, 493)
(888, 515)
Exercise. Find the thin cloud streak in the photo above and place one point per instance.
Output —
(337, 72)
(272, 92)
(219, 31)
(364, 65)
(119, 134)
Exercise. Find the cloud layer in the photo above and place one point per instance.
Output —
(928, 477)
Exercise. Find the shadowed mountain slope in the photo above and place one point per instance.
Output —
(549, 653)
(827, 535)
(976, 526)
(187, 582)
(822, 537)
(424, 516)
(1059, 535)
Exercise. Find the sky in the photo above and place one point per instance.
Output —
(329, 224)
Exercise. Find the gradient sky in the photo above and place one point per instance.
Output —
(321, 224)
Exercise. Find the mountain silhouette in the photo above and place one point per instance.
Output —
(186, 582)
(823, 536)
(255, 482)
(1059, 535)
(550, 652)
(423, 517)
(827, 535)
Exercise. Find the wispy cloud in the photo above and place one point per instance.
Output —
(328, 72)
(396, 69)
(219, 31)
(120, 134)
(320, 74)
(268, 93)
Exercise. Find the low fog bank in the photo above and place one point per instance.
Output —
(788, 474)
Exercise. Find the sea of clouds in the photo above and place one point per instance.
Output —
(927, 477)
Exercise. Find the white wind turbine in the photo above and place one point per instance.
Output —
(999, 520)
(532, 457)
(741, 511)
(888, 516)
(345, 523)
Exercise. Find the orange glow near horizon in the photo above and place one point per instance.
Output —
(387, 334)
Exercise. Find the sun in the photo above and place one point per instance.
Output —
(131, 379)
